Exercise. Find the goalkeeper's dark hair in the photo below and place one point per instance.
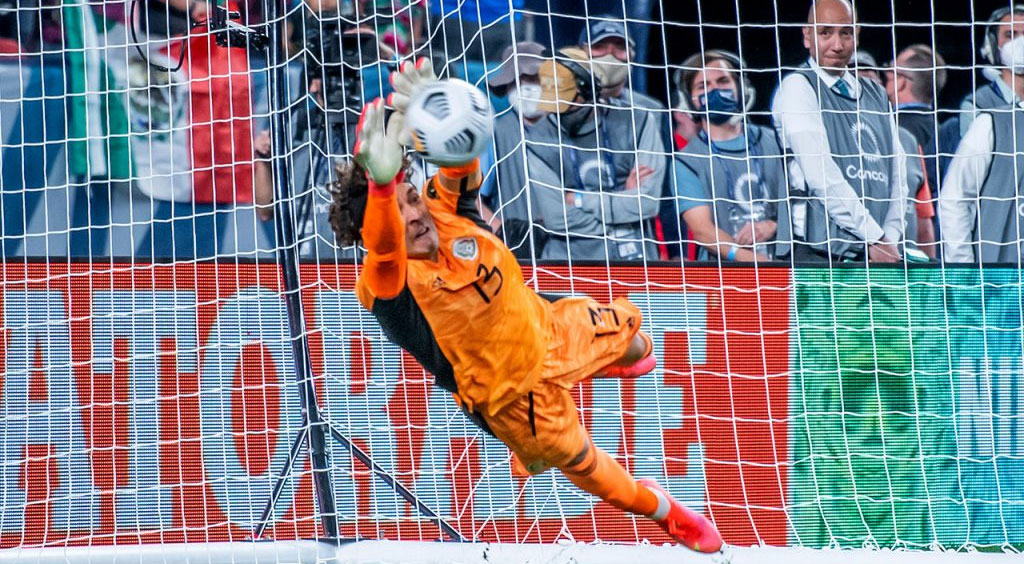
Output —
(348, 200)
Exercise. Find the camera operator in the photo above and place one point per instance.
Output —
(320, 129)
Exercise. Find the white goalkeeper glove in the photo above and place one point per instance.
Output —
(407, 81)
(377, 150)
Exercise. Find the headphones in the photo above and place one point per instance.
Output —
(990, 44)
(587, 85)
(683, 75)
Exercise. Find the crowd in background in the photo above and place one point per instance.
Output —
(853, 162)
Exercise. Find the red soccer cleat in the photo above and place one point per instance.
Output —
(689, 528)
(635, 370)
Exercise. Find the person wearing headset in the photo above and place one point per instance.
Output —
(842, 134)
(612, 52)
(730, 176)
(597, 176)
(1002, 26)
(980, 209)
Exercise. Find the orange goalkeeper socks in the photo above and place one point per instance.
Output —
(595, 472)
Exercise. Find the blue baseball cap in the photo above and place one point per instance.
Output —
(603, 28)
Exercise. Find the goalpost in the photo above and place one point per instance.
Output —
(188, 375)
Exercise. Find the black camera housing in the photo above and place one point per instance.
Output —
(336, 52)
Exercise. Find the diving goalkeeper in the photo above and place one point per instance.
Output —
(452, 294)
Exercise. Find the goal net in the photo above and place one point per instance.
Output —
(186, 367)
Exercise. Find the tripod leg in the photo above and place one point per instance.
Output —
(275, 494)
(399, 488)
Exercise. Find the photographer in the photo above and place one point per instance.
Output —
(320, 129)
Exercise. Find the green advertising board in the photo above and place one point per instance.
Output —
(904, 408)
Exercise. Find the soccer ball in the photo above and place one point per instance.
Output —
(449, 122)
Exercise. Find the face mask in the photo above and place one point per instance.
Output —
(525, 99)
(1012, 54)
(610, 70)
(574, 120)
(720, 106)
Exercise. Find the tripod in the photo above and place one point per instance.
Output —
(331, 135)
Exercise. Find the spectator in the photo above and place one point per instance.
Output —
(730, 176)
(1003, 25)
(597, 192)
(565, 18)
(845, 143)
(920, 216)
(913, 83)
(477, 30)
(199, 172)
(400, 24)
(920, 227)
(99, 156)
(505, 189)
(978, 205)
(611, 53)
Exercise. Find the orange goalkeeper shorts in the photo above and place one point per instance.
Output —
(543, 427)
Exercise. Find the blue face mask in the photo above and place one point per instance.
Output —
(719, 105)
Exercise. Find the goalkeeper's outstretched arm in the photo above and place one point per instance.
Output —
(384, 238)
(366, 206)
(367, 212)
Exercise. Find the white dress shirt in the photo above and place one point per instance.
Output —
(961, 188)
(797, 117)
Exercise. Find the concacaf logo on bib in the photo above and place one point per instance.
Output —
(867, 141)
(465, 248)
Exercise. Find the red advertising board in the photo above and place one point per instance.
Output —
(155, 403)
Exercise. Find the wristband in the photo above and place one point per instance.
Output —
(459, 171)
(382, 190)
(386, 189)
(731, 255)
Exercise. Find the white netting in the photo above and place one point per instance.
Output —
(152, 304)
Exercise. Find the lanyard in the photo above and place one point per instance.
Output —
(755, 163)
(627, 250)
(607, 162)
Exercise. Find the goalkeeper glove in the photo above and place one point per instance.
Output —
(377, 151)
(407, 81)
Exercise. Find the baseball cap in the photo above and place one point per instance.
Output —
(558, 83)
(601, 28)
(528, 56)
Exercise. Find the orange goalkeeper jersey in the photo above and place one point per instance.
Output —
(469, 317)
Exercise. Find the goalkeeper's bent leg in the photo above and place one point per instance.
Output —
(594, 471)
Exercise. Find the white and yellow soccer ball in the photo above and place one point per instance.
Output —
(449, 122)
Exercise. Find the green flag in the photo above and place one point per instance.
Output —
(98, 144)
